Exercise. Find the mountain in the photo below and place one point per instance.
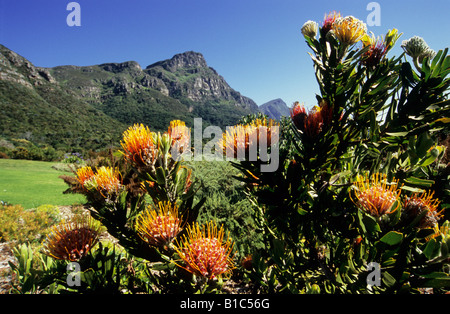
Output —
(182, 87)
(34, 107)
(275, 109)
(88, 107)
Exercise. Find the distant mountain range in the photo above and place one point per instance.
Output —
(88, 107)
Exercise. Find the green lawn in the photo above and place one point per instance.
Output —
(33, 183)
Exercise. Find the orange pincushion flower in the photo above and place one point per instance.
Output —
(375, 197)
(72, 240)
(237, 139)
(180, 135)
(107, 180)
(84, 174)
(159, 225)
(241, 141)
(205, 253)
(416, 205)
(138, 145)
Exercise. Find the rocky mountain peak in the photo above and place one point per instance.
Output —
(275, 109)
(189, 59)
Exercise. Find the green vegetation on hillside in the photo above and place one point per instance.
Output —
(45, 115)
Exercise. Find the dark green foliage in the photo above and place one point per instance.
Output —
(383, 120)
(226, 203)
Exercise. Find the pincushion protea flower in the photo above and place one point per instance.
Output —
(329, 20)
(241, 141)
(72, 240)
(180, 135)
(349, 30)
(313, 122)
(375, 196)
(416, 205)
(159, 225)
(415, 46)
(84, 174)
(105, 180)
(309, 29)
(204, 251)
(377, 50)
(138, 145)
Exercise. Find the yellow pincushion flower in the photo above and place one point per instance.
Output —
(245, 138)
(84, 174)
(107, 180)
(349, 30)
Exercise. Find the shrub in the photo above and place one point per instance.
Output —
(21, 226)
(360, 178)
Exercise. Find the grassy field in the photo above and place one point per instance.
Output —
(33, 183)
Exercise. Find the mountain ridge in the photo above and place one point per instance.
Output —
(117, 94)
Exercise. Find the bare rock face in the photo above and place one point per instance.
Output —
(188, 75)
(15, 68)
(179, 61)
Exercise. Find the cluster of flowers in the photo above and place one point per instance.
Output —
(142, 147)
(203, 250)
(377, 197)
(350, 30)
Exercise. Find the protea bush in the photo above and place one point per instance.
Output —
(360, 180)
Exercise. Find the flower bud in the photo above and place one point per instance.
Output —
(309, 29)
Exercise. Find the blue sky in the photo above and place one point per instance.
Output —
(256, 45)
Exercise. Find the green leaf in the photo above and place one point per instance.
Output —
(431, 249)
(436, 280)
(423, 144)
(388, 279)
(160, 176)
(392, 238)
(427, 160)
(368, 223)
(397, 133)
(419, 182)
